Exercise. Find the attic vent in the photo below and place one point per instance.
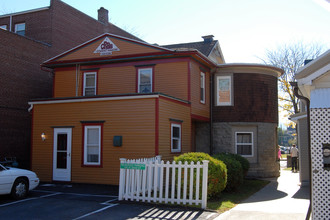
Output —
(208, 38)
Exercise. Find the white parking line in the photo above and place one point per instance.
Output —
(24, 200)
(99, 210)
(77, 194)
(19, 201)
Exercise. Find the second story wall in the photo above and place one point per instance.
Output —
(170, 78)
(199, 91)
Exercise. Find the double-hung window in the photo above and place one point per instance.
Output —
(89, 84)
(175, 138)
(202, 93)
(92, 145)
(144, 80)
(244, 143)
(223, 91)
(20, 29)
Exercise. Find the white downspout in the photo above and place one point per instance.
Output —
(10, 22)
(31, 107)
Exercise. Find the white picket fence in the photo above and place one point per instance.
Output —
(152, 180)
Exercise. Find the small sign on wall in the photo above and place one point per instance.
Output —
(106, 47)
(133, 166)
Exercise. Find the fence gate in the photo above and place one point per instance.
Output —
(152, 180)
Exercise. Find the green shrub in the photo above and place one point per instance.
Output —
(234, 171)
(244, 162)
(217, 172)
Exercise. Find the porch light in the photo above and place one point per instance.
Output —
(43, 136)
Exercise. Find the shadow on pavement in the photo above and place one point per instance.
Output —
(267, 193)
(302, 193)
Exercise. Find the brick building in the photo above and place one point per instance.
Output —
(27, 39)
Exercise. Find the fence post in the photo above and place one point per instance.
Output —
(204, 185)
(121, 180)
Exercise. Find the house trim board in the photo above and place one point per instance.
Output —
(156, 126)
(87, 43)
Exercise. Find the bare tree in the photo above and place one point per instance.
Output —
(290, 57)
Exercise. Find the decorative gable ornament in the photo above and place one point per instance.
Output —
(106, 47)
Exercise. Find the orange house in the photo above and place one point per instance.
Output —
(115, 97)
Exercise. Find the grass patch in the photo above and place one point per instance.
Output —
(230, 200)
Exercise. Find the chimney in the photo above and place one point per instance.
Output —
(103, 16)
(208, 38)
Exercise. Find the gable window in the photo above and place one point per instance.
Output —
(244, 143)
(89, 84)
(175, 138)
(20, 29)
(4, 27)
(223, 90)
(92, 145)
(202, 98)
(145, 80)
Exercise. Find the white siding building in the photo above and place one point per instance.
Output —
(314, 84)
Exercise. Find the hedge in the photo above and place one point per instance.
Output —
(217, 172)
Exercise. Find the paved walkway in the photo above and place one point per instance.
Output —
(282, 199)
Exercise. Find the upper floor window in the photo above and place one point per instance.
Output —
(145, 80)
(89, 84)
(223, 90)
(244, 143)
(20, 29)
(175, 138)
(4, 27)
(202, 98)
(92, 145)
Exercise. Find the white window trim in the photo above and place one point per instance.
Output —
(16, 25)
(230, 91)
(3, 27)
(202, 86)
(249, 144)
(85, 87)
(151, 79)
(85, 145)
(180, 138)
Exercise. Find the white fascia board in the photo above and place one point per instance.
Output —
(309, 79)
(98, 99)
(298, 116)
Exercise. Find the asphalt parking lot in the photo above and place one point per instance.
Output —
(58, 201)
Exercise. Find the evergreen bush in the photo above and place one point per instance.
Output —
(217, 172)
(234, 171)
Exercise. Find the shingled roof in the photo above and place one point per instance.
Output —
(205, 47)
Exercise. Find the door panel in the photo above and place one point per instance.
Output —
(62, 154)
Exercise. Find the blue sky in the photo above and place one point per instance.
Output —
(245, 29)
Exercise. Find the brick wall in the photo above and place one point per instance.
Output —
(255, 100)
(71, 28)
(48, 33)
(21, 80)
(37, 25)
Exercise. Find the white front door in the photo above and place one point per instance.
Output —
(62, 154)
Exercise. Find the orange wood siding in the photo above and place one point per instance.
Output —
(169, 78)
(117, 80)
(198, 108)
(125, 47)
(65, 83)
(172, 110)
(172, 79)
(133, 119)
